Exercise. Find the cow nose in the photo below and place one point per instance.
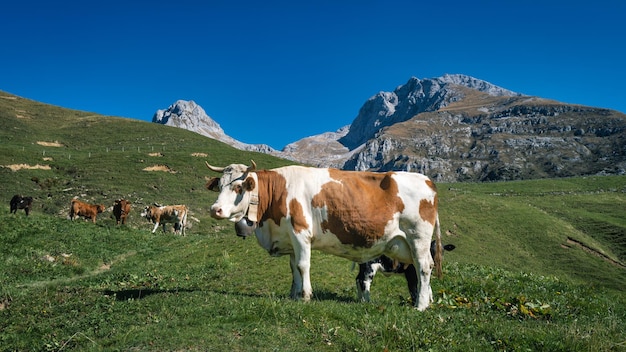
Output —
(216, 212)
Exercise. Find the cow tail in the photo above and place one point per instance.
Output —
(439, 252)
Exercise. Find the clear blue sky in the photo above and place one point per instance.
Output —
(274, 72)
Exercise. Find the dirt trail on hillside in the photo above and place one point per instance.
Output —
(584, 247)
(102, 268)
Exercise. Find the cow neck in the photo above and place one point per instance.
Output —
(253, 207)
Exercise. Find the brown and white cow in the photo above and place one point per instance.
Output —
(162, 214)
(121, 208)
(86, 210)
(354, 215)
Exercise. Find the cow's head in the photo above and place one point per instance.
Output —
(147, 212)
(100, 208)
(236, 193)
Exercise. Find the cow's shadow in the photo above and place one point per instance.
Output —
(325, 295)
(141, 293)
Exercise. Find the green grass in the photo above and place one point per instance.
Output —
(532, 225)
(538, 264)
(127, 289)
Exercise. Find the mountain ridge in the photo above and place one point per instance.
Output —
(460, 128)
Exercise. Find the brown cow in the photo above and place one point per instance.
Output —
(161, 214)
(86, 210)
(121, 208)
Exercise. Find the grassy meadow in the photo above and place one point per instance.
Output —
(538, 263)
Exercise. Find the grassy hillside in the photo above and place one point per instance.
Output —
(574, 227)
(538, 264)
(102, 158)
(78, 286)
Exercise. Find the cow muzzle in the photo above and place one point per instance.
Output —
(245, 227)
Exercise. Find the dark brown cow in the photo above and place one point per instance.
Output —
(86, 210)
(19, 202)
(121, 208)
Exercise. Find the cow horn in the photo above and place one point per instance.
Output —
(214, 168)
(252, 167)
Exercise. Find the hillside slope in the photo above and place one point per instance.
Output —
(565, 227)
(58, 154)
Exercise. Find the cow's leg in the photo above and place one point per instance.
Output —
(302, 257)
(156, 226)
(425, 263)
(364, 281)
(296, 281)
(411, 281)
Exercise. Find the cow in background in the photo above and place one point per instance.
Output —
(19, 202)
(389, 266)
(162, 214)
(86, 210)
(121, 208)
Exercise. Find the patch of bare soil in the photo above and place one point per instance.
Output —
(163, 168)
(16, 167)
(200, 154)
(50, 144)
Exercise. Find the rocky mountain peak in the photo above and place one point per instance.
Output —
(407, 100)
(478, 84)
(192, 117)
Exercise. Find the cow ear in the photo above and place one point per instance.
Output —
(213, 184)
(249, 184)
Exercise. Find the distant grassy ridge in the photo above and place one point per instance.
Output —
(538, 264)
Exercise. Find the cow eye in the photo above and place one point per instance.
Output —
(237, 189)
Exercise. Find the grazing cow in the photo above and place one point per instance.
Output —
(355, 215)
(162, 214)
(19, 202)
(121, 208)
(86, 210)
(388, 266)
